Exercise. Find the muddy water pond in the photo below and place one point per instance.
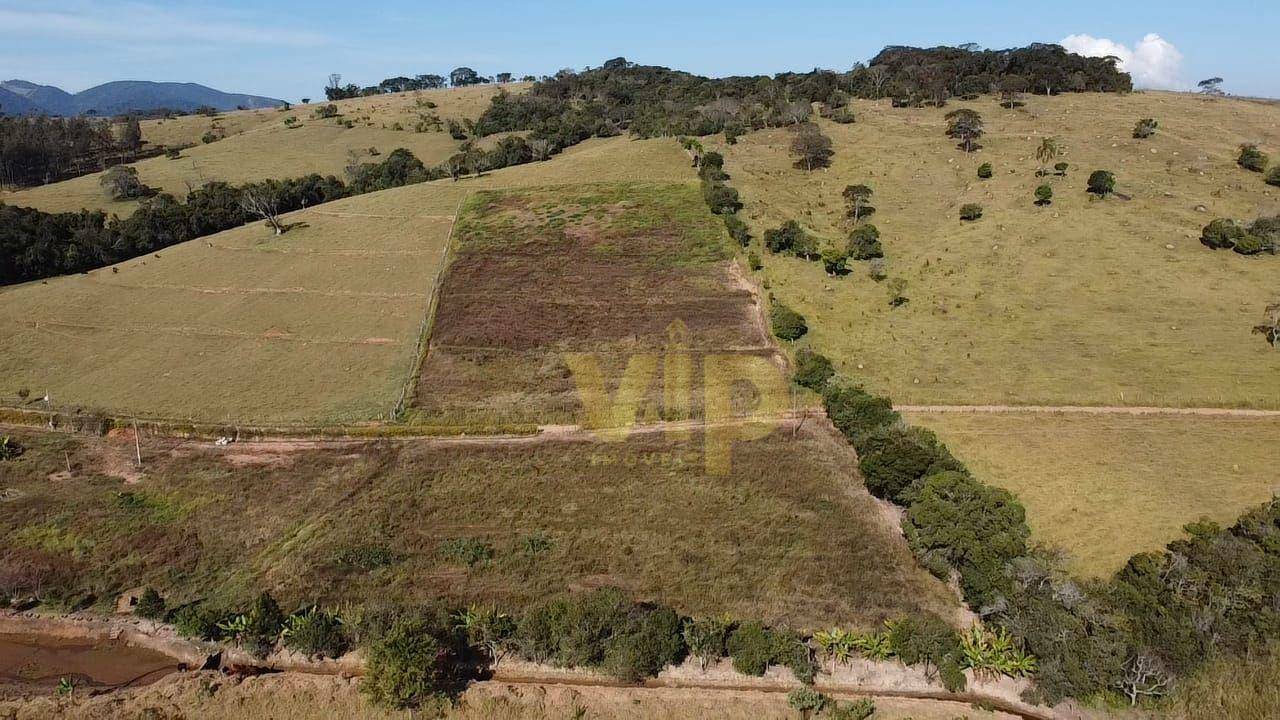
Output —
(28, 659)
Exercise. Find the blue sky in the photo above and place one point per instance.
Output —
(286, 49)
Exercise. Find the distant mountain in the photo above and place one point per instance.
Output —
(52, 100)
(19, 97)
(12, 103)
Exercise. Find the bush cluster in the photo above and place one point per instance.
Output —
(1262, 235)
(1145, 128)
(1251, 158)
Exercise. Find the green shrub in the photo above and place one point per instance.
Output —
(651, 640)
(787, 324)
(751, 646)
(707, 639)
(1251, 158)
(258, 629)
(952, 675)
(316, 633)
(1248, 245)
(790, 650)
(1273, 175)
(197, 622)
(573, 630)
(926, 640)
(854, 412)
(970, 211)
(1044, 195)
(1061, 168)
(737, 229)
(466, 551)
(864, 243)
(1102, 183)
(1145, 128)
(722, 199)
(407, 666)
(365, 557)
(1221, 234)
(975, 528)
(859, 709)
(813, 369)
(984, 171)
(835, 259)
(786, 237)
(208, 137)
(893, 458)
(150, 605)
(173, 153)
(806, 701)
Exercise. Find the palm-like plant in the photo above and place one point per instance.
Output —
(486, 628)
(1047, 152)
(874, 646)
(990, 654)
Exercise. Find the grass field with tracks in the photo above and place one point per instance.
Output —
(317, 325)
(1082, 302)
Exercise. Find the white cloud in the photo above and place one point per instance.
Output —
(1154, 62)
(133, 22)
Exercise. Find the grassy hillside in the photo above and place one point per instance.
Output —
(258, 145)
(1106, 487)
(317, 325)
(1081, 302)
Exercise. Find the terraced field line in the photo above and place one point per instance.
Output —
(428, 320)
(1087, 410)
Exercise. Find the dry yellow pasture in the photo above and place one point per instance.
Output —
(1109, 302)
(1104, 487)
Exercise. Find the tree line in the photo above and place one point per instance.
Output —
(1134, 636)
(651, 101)
(458, 77)
(36, 244)
(38, 150)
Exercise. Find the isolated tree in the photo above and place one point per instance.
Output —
(1011, 89)
(858, 198)
(121, 183)
(970, 211)
(1102, 183)
(965, 125)
(463, 76)
(263, 201)
(985, 171)
(1210, 86)
(811, 148)
(131, 135)
(1046, 153)
(878, 75)
(1044, 195)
